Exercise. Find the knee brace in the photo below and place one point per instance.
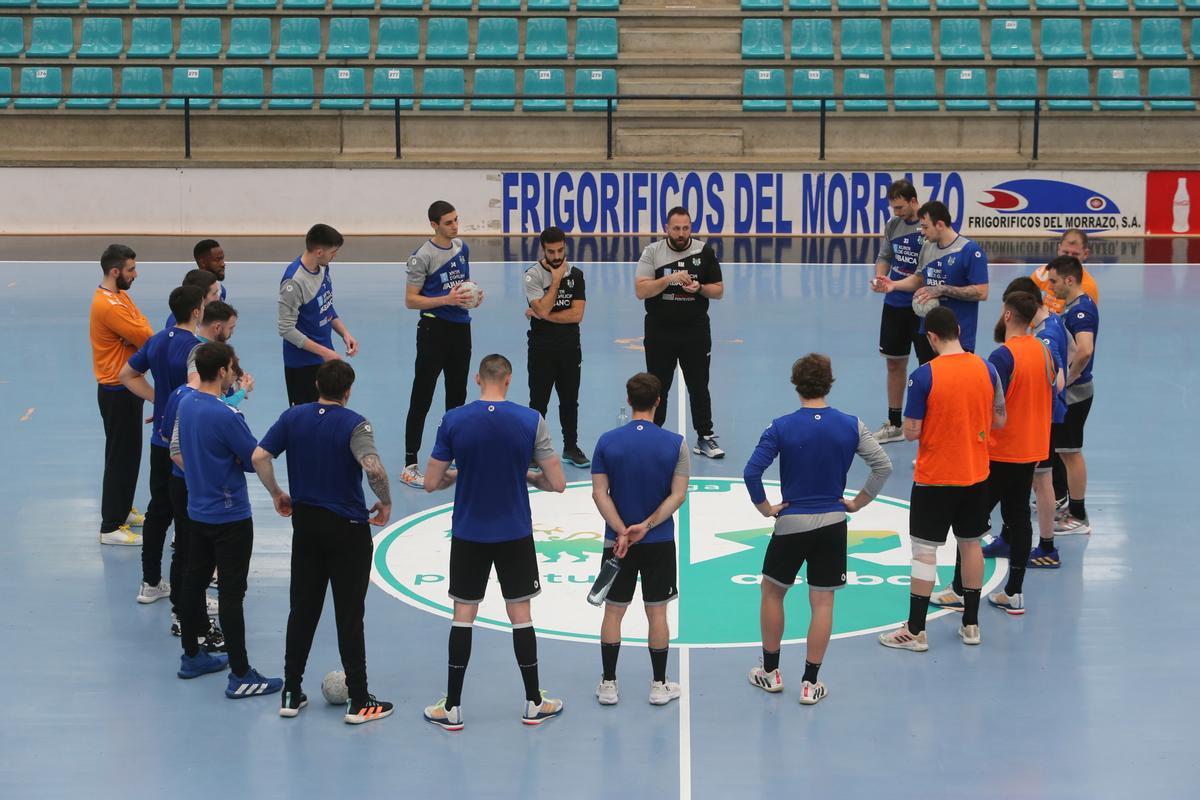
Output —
(924, 561)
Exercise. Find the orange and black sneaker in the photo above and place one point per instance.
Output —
(370, 709)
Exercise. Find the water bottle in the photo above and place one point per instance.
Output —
(622, 417)
(604, 580)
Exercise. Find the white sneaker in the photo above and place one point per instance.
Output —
(663, 692)
(1069, 525)
(123, 536)
(606, 693)
(707, 446)
(450, 720)
(901, 639)
(1013, 604)
(535, 712)
(888, 433)
(948, 598)
(135, 519)
(969, 634)
(412, 476)
(148, 593)
(767, 681)
(811, 693)
(212, 605)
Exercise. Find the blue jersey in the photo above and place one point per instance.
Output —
(815, 447)
(641, 460)
(1082, 316)
(492, 442)
(961, 263)
(217, 448)
(323, 468)
(901, 250)
(1054, 334)
(437, 270)
(171, 317)
(165, 357)
(170, 414)
(306, 298)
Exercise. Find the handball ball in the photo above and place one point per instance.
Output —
(921, 309)
(334, 688)
(473, 292)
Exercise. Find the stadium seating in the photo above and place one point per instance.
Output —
(596, 37)
(862, 38)
(303, 5)
(1170, 82)
(757, 87)
(349, 37)
(908, 5)
(960, 39)
(446, 37)
(592, 86)
(5, 86)
(199, 37)
(762, 38)
(1011, 38)
(1156, 5)
(291, 80)
(140, 80)
(812, 38)
(542, 82)
(50, 37)
(957, 5)
(443, 80)
(339, 81)
(347, 5)
(399, 37)
(386, 5)
(188, 82)
(1062, 38)
(499, 5)
(1008, 5)
(762, 5)
(498, 37)
(597, 5)
(40, 80)
(449, 5)
(237, 83)
(494, 90)
(859, 5)
(810, 5)
(1063, 82)
(966, 89)
(12, 38)
(864, 89)
(392, 80)
(1162, 37)
(912, 38)
(165, 4)
(1058, 5)
(151, 37)
(1196, 37)
(1106, 5)
(549, 5)
(1112, 37)
(96, 83)
(919, 85)
(100, 37)
(249, 37)
(299, 37)
(1114, 83)
(211, 5)
(812, 85)
(546, 38)
(1015, 88)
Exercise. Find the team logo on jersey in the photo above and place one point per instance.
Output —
(721, 540)
(696, 261)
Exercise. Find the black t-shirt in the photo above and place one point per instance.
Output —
(571, 288)
(674, 305)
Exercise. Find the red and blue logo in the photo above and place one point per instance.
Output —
(1042, 196)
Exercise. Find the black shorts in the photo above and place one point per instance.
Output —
(516, 567)
(654, 563)
(1047, 464)
(301, 383)
(824, 550)
(934, 510)
(900, 332)
(1070, 433)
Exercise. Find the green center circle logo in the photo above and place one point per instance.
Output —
(721, 541)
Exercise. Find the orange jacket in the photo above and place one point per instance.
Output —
(117, 329)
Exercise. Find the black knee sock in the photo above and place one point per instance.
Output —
(525, 649)
(970, 607)
(658, 663)
(894, 417)
(460, 654)
(1047, 544)
(956, 584)
(770, 660)
(608, 659)
(1076, 508)
(918, 607)
(810, 671)
(410, 459)
(1016, 580)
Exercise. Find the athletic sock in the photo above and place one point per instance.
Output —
(1016, 580)
(956, 584)
(410, 459)
(608, 659)
(525, 649)
(810, 671)
(1076, 508)
(770, 660)
(970, 606)
(658, 664)
(460, 654)
(1047, 544)
(918, 607)
(894, 417)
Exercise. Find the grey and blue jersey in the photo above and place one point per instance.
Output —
(960, 263)
(437, 270)
(901, 251)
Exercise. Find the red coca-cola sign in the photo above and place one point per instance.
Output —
(1173, 203)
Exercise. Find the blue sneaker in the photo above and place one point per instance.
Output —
(997, 548)
(202, 663)
(1044, 559)
(251, 685)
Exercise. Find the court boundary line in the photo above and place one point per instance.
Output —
(685, 665)
(401, 261)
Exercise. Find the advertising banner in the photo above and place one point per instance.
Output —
(1173, 203)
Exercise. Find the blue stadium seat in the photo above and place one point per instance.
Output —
(12, 39)
(1063, 82)
(1016, 88)
(597, 5)
(859, 5)
(1156, 5)
(866, 87)
(908, 5)
(59, 3)
(157, 4)
(914, 90)
(596, 37)
(862, 38)
(1170, 82)
(1162, 37)
(242, 87)
(544, 83)
(812, 38)
(15, 4)
(1062, 38)
(966, 89)
(1057, 5)
(960, 39)
(449, 5)
(303, 5)
(810, 5)
(339, 81)
(349, 37)
(205, 5)
(814, 84)
(291, 80)
(912, 38)
(1191, 5)
(446, 37)
(50, 37)
(957, 5)
(140, 80)
(1112, 37)
(593, 87)
(762, 38)
(1012, 38)
(96, 83)
(299, 37)
(549, 5)
(399, 37)
(757, 87)
(405, 4)
(150, 37)
(109, 4)
(1120, 82)
(1106, 5)
(1196, 37)
(100, 37)
(189, 82)
(546, 38)
(351, 5)
(40, 80)
(249, 37)
(443, 80)
(5, 86)
(494, 90)
(762, 5)
(1008, 5)
(392, 80)
(499, 5)
(498, 37)
(199, 37)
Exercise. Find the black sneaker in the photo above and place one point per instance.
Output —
(358, 713)
(214, 640)
(292, 703)
(576, 457)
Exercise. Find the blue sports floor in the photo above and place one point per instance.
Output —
(1090, 694)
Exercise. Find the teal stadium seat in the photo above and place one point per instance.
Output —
(495, 90)
(966, 89)
(5, 86)
(961, 39)
(140, 80)
(199, 37)
(249, 37)
(299, 37)
(957, 5)
(762, 38)
(864, 89)
(1196, 37)
(399, 37)
(809, 86)
(352, 5)
(446, 37)
(1008, 5)
(498, 37)
(205, 5)
(12, 39)
(757, 87)
(1162, 37)
(449, 5)
(443, 80)
(597, 5)
(543, 83)
(1106, 5)
(1062, 38)
(40, 80)
(1057, 5)
(549, 5)
(96, 83)
(1112, 37)
(859, 5)
(593, 87)
(912, 38)
(908, 5)
(499, 5)
(762, 5)
(810, 5)
(1113, 83)
(1191, 5)
(596, 37)
(392, 80)
(150, 37)
(190, 82)
(1156, 5)
(1170, 82)
(401, 4)
(157, 5)
(862, 38)
(1016, 88)
(338, 81)
(109, 4)
(1063, 82)
(914, 90)
(812, 38)
(349, 37)
(546, 38)
(59, 3)
(291, 80)
(303, 5)
(100, 37)
(242, 88)
(50, 37)
(16, 4)
(1012, 38)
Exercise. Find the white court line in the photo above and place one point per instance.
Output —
(685, 667)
